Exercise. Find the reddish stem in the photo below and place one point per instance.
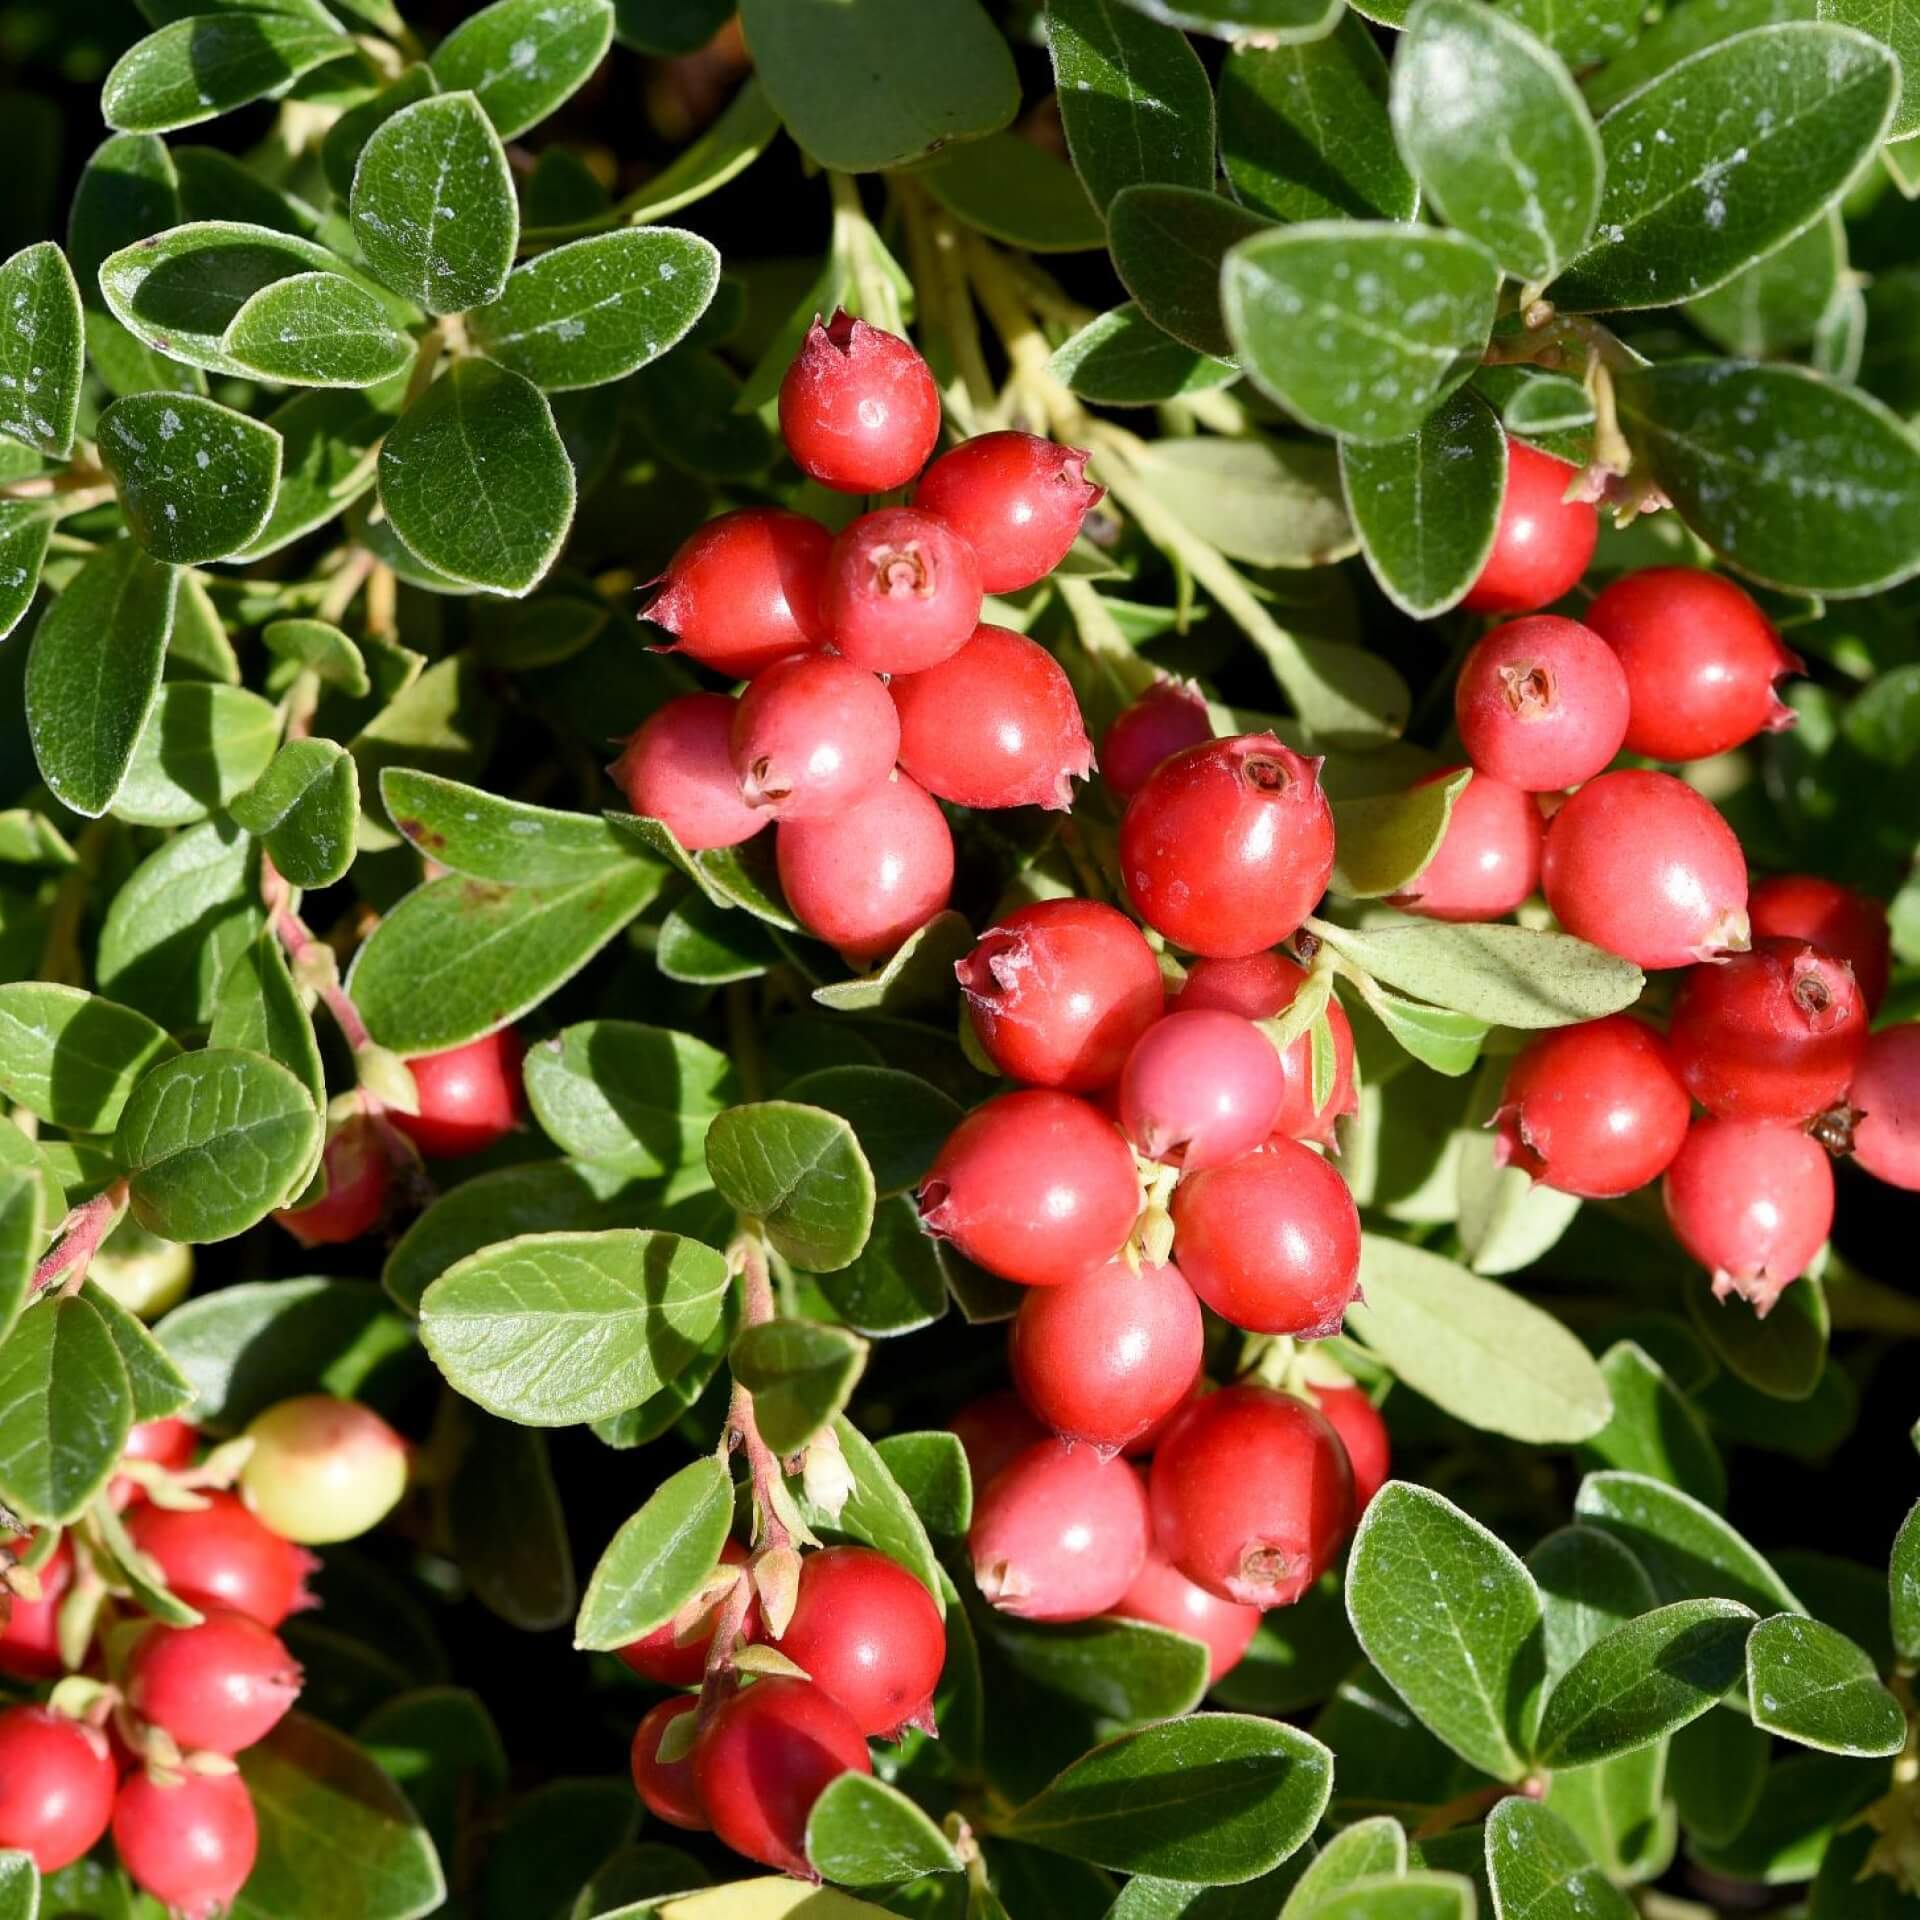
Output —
(80, 1236)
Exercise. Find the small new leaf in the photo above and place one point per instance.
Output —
(317, 330)
(800, 1171)
(659, 1559)
(306, 808)
(521, 58)
(1809, 1683)
(800, 1373)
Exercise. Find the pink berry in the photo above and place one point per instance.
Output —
(1167, 718)
(1543, 541)
(868, 1635)
(992, 1430)
(1363, 1433)
(1163, 1596)
(30, 1629)
(902, 591)
(470, 1096)
(1489, 857)
(1017, 499)
(1257, 986)
(1143, 1444)
(56, 1786)
(679, 769)
(858, 408)
(666, 1788)
(221, 1555)
(744, 590)
(169, 1444)
(359, 1185)
(190, 1843)
(1802, 906)
(811, 736)
(1886, 1089)
(1060, 1533)
(1201, 1088)
(1541, 703)
(1752, 1201)
(220, 1687)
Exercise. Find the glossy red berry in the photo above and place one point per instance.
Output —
(1058, 992)
(902, 591)
(992, 1430)
(1271, 1241)
(1489, 857)
(995, 726)
(1166, 719)
(1017, 499)
(1143, 1444)
(359, 1184)
(1594, 1109)
(1701, 661)
(1802, 906)
(1257, 986)
(190, 1843)
(1541, 703)
(1543, 541)
(1229, 845)
(1163, 1596)
(876, 872)
(679, 769)
(669, 1661)
(1642, 865)
(1252, 1496)
(744, 590)
(811, 736)
(1752, 1201)
(1201, 1088)
(167, 1444)
(219, 1687)
(30, 1629)
(470, 1096)
(1036, 1186)
(769, 1754)
(1886, 1089)
(858, 408)
(868, 1635)
(1363, 1433)
(221, 1555)
(1059, 1534)
(1103, 1358)
(323, 1469)
(666, 1787)
(56, 1786)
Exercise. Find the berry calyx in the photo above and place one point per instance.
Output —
(868, 1635)
(678, 768)
(1541, 703)
(1163, 1596)
(359, 1184)
(322, 1469)
(1363, 1433)
(992, 1430)
(1886, 1088)
(219, 1687)
(744, 591)
(190, 1842)
(30, 1629)
(666, 1787)
(1543, 541)
(1201, 1088)
(470, 1096)
(812, 735)
(1016, 499)
(902, 591)
(222, 1555)
(670, 1657)
(858, 408)
(1488, 860)
(57, 1781)
(1802, 906)
(1060, 1534)
(1165, 720)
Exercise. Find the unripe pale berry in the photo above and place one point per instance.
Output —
(902, 591)
(1886, 1088)
(1541, 703)
(1752, 1201)
(1036, 1186)
(1165, 720)
(30, 1631)
(1252, 1496)
(1363, 1433)
(359, 1183)
(1271, 1241)
(1229, 845)
(57, 1781)
(322, 1469)
(1701, 661)
(868, 1634)
(668, 1661)
(1489, 857)
(1642, 865)
(1802, 906)
(1059, 991)
(744, 590)
(470, 1096)
(220, 1687)
(1594, 1109)
(1201, 1088)
(1059, 1534)
(222, 1555)
(992, 1430)
(1163, 1596)
(769, 1754)
(1543, 541)
(679, 769)
(190, 1843)
(871, 875)
(858, 408)
(811, 736)
(666, 1788)
(1103, 1358)
(1017, 499)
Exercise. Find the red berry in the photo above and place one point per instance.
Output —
(191, 1843)
(873, 874)
(1228, 846)
(1489, 856)
(1019, 500)
(812, 735)
(1058, 992)
(1257, 986)
(1595, 1109)
(991, 1431)
(1886, 1088)
(668, 1662)
(470, 1096)
(771, 1751)
(1541, 703)
(678, 769)
(219, 1687)
(902, 591)
(1640, 864)
(1802, 906)
(1107, 1356)
(1701, 661)
(1364, 1435)
(359, 1183)
(1752, 1201)
(858, 408)
(1163, 1596)
(168, 1444)
(1036, 1186)
(1167, 718)
(1543, 542)
(744, 590)
(221, 1555)
(1252, 1496)
(30, 1629)
(869, 1636)
(56, 1786)
(1143, 1444)
(1201, 1088)
(1271, 1241)
(666, 1788)
(1059, 1534)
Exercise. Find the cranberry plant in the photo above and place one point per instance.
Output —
(961, 960)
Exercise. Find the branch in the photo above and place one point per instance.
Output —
(80, 1236)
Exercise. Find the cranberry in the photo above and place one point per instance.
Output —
(902, 591)
(220, 1554)
(1640, 864)
(1364, 1435)
(1228, 846)
(359, 1184)
(1752, 1201)
(666, 1787)
(744, 590)
(30, 1630)
(1060, 1533)
(668, 1661)
(868, 1634)
(1201, 1088)
(1143, 1444)
(871, 876)
(221, 1686)
(1163, 1596)
(1595, 1109)
(771, 1751)
(470, 1096)
(167, 1444)
(812, 735)
(1271, 1242)
(1037, 1186)
(1252, 1496)
(1541, 703)
(991, 1431)
(858, 408)
(190, 1843)
(1165, 719)
(323, 1470)
(678, 769)
(1802, 906)
(1019, 500)
(56, 1786)
(1257, 986)
(1058, 992)
(1543, 541)
(1489, 857)
(1886, 1088)
(1107, 1356)
(1701, 661)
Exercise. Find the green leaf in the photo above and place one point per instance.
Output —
(476, 479)
(159, 1389)
(19, 1886)
(1386, 841)
(877, 1512)
(1897, 26)
(628, 1096)
(1589, 1584)
(900, 1120)
(42, 356)
(321, 649)
(326, 436)
(1271, 503)
(260, 1011)
(65, 1407)
(1123, 360)
(1654, 1430)
(445, 247)
(196, 479)
(1778, 303)
(774, 1898)
(898, 1281)
(522, 58)
(727, 149)
(317, 330)
(1688, 1551)
(491, 838)
(202, 745)
(72, 1057)
(801, 1375)
(800, 1171)
(1122, 1670)
(1366, 1850)
(1359, 328)
(864, 1833)
(1013, 191)
(306, 808)
(441, 1746)
(558, 1328)
(1682, 214)
(704, 945)
(1168, 244)
(1716, 1768)
(22, 1235)
(346, 139)
(1903, 1578)
(656, 1562)
(26, 528)
(1810, 1684)
(1539, 1869)
(918, 974)
(1784, 1355)
(1451, 1618)
(931, 1469)
(94, 672)
(206, 65)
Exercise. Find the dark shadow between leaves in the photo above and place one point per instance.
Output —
(1280, 149)
(1677, 1573)
(200, 292)
(1526, 1681)
(344, 1338)
(184, 718)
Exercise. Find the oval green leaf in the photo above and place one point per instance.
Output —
(317, 330)
(521, 58)
(73, 1057)
(306, 809)
(203, 744)
(1123, 360)
(1809, 1683)
(656, 1562)
(1538, 1867)
(801, 1374)
(1168, 243)
(42, 354)
(864, 1833)
(196, 479)
(1686, 1549)
(65, 1407)
(800, 1171)
(626, 1096)
(207, 64)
